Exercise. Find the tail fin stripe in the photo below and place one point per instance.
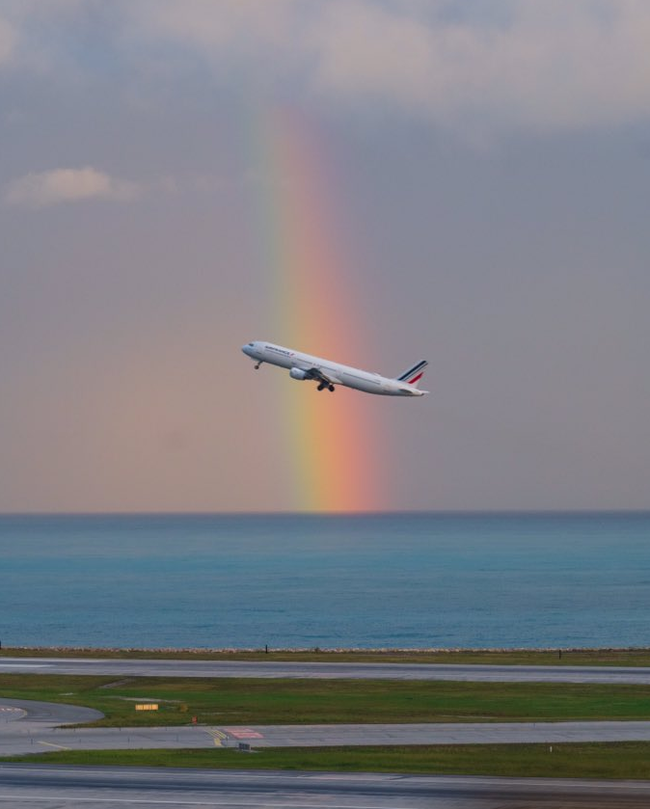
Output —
(412, 371)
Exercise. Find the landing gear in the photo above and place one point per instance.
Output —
(331, 389)
(322, 386)
(257, 366)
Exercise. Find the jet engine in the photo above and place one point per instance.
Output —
(297, 373)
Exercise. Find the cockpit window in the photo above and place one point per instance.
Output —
(251, 344)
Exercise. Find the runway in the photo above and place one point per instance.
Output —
(45, 787)
(346, 671)
(34, 727)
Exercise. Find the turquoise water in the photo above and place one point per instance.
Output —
(393, 580)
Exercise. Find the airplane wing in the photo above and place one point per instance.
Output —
(317, 374)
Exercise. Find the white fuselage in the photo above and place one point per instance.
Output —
(334, 372)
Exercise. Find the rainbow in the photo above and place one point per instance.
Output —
(333, 462)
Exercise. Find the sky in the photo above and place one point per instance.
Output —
(372, 181)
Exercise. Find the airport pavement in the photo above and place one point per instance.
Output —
(33, 727)
(36, 714)
(259, 736)
(23, 786)
(347, 671)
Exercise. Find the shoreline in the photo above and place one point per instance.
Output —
(564, 656)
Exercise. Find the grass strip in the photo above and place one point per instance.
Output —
(593, 760)
(519, 657)
(264, 701)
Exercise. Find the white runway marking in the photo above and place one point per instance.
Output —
(57, 746)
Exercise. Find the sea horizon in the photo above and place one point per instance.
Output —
(329, 513)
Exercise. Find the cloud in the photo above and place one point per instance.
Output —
(38, 190)
(492, 65)
(208, 25)
(7, 42)
(544, 64)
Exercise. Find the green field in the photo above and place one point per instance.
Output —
(265, 701)
(270, 701)
(606, 760)
(522, 657)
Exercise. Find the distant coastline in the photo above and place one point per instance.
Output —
(621, 657)
(323, 650)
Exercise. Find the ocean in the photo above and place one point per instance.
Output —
(368, 581)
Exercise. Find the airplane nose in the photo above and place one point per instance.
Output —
(246, 349)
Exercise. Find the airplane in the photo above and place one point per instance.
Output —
(327, 374)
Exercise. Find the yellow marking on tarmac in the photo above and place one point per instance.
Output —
(218, 736)
(58, 746)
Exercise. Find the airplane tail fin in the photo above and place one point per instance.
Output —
(414, 374)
